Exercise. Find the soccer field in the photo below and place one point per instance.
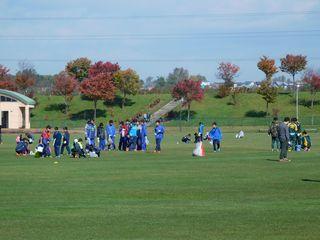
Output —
(239, 193)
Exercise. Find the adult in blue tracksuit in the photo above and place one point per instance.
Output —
(201, 130)
(143, 134)
(91, 132)
(159, 134)
(111, 132)
(133, 136)
(216, 136)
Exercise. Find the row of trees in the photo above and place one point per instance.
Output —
(290, 64)
(23, 81)
(97, 81)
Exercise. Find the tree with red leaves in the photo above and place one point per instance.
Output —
(227, 72)
(312, 79)
(188, 91)
(5, 81)
(101, 67)
(293, 64)
(267, 66)
(65, 85)
(26, 78)
(100, 83)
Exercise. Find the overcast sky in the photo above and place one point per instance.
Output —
(187, 38)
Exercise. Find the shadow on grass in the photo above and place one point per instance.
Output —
(57, 107)
(118, 102)
(175, 115)
(305, 102)
(272, 160)
(310, 180)
(88, 114)
(256, 114)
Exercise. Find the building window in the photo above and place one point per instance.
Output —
(7, 99)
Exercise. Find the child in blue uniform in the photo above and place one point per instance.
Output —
(133, 136)
(65, 141)
(91, 132)
(111, 135)
(57, 137)
(201, 130)
(215, 135)
(159, 134)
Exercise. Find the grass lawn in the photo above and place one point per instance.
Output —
(239, 193)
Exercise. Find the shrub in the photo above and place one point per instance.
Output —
(223, 91)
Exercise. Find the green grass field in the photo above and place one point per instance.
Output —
(239, 193)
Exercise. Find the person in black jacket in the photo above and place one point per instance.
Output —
(284, 138)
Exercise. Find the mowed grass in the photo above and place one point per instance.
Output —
(239, 193)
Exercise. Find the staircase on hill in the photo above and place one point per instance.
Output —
(164, 110)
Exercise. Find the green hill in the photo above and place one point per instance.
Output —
(50, 110)
(249, 111)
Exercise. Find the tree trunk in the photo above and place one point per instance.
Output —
(66, 105)
(180, 121)
(123, 100)
(189, 106)
(95, 109)
(267, 109)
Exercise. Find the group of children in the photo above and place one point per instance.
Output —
(299, 139)
(133, 136)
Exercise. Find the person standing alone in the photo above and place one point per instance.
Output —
(159, 133)
(273, 132)
(284, 138)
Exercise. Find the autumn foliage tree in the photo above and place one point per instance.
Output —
(267, 66)
(268, 93)
(266, 90)
(25, 79)
(293, 64)
(100, 83)
(78, 68)
(188, 91)
(228, 72)
(65, 85)
(5, 81)
(128, 83)
(312, 79)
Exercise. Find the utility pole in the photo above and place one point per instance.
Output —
(297, 100)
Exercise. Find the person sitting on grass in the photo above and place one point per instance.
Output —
(77, 150)
(159, 134)
(93, 152)
(306, 141)
(57, 137)
(216, 136)
(22, 147)
(186, 139)
(65, 141)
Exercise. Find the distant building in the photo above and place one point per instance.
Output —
(15, 109)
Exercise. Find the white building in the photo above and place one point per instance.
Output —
(15, 109)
